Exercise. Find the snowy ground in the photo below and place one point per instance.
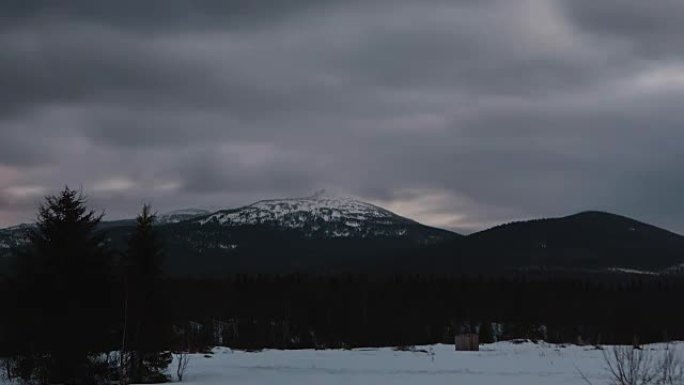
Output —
(500, 363)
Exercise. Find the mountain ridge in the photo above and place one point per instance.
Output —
(324, 232)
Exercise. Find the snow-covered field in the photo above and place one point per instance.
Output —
(500, 363)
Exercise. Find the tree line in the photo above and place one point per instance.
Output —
(357, 310)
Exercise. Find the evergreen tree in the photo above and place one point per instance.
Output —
(486, 333)
(65, 297)
(147, 329)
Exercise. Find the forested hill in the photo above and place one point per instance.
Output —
(590, 239)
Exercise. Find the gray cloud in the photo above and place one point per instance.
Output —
(169, 16)
(461, 114)
(653, 30)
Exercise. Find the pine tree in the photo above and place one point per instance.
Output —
(146, 325)
(486, 333)
(65, 293)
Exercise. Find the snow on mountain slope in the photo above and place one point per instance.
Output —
(180, 215)
(320, 214)
(12, 237)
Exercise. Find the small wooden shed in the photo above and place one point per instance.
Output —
(467, 342)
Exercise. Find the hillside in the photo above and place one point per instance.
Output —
(586, 240)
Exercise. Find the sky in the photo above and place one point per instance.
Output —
(460, 114)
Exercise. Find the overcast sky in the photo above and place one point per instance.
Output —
(460, 114)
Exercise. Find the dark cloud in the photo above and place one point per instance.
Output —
(82, 64)
(462, 114)
(653, 30)
(154, 16)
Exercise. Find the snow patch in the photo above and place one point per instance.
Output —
(180, 216)
(631, 271)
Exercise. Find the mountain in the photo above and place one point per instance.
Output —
(322, 216)
(319, 233)
(591, 239)
(326, 233)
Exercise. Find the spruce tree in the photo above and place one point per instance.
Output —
(65, 293)
(486, 334)
(147, 329)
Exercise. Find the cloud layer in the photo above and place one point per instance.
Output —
(461, 114)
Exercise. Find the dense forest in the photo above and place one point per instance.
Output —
(337, 311)
(71, 295)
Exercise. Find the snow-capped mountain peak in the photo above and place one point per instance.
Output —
(319, 214)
